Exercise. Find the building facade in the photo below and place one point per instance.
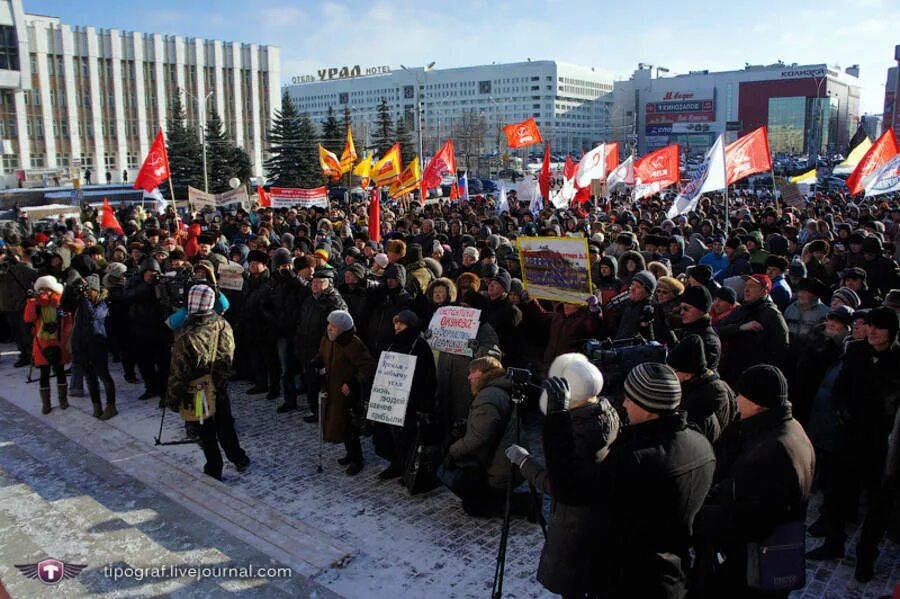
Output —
(805, 107)
(77, 98)
(470, 104)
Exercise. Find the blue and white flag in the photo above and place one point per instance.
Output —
(709, 177)
(886, 179)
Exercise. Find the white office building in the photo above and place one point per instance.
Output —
(75, 97)
(570, 103)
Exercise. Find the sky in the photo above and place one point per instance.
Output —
(610, 36)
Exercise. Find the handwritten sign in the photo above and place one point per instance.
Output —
(390, 390)
(231, 276)
(452, 328)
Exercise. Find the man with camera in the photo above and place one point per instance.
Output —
(16, 281)
(652, 483)
(149, 332)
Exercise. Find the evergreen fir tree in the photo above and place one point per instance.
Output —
(403, 136)
(308, 169)
(218, 154)
(383, 137)
(239, 164)
(185, 153)
(287, 147)
(331, 133)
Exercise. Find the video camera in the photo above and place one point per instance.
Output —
(172, 287)
(616, 358)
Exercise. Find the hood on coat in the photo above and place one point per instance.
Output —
(450, 285)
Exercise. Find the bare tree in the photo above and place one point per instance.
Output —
(468, 135)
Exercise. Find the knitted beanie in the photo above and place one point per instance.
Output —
(654, 387)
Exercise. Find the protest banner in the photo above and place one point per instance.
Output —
(555, 268)
(452, 328)
(792, 196)
(290, 197)
(201, 199)
(231, 276)
(391, 387)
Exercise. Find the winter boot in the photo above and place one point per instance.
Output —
(45, 400)
(110, 410)
(98, 409)
(63, 390)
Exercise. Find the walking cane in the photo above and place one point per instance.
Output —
(322, 395)
(158, 439)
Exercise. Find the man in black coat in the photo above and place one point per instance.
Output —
(634, 313)
(882, 273)
(500, 315)
(16, 281)
(280, 305)
(755, 332)
(261, 343)
(867, 393)
(311, 327)
(354, 289)
(383, 303)
(707, 399)
(695, 305)
(763, 484)
(652, 482)
(148, 331)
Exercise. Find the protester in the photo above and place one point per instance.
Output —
(52, 330)
(205, 345)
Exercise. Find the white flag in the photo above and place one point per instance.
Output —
(624, 173)
(592, 166)
(502, 203)
(709, 177)
(562, 198)
(886, 179)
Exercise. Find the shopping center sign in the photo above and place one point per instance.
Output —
(681, 111)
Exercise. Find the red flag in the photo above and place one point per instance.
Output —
(881, 151)
(375, 217)
(444, 161)
(155, 169)
(265, 198)
(570, 168)
(661, 166)
(748, 155)
(108, 219)
(544, 179)
(612, 157)
(526, 133)
(454, 191)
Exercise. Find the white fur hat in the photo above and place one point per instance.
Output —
(48, 282)
(585, 380)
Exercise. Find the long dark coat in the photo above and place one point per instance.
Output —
(347, 361)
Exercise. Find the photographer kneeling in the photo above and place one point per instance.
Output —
(570, 555)
(476, 468)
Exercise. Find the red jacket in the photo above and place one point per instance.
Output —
(61, 339)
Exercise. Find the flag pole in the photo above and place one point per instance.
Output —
(174, 207)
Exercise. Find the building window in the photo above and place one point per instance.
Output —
(87, 160)
(65, 128)
(37, 160)
(29, 127)
(132, 161)
(9, 48)
(109, 161)
(10, 162)
(62, 159)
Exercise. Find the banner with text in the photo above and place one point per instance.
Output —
(391, 387)
(290, 197)
(201, 199)
(452, 328)
(555, 268)
(231, 276)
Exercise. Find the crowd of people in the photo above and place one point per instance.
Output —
(781, 377)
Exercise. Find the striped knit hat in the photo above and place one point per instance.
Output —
(654, 387)
(201, 298)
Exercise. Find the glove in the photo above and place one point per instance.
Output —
(517, 454)
(423, 417)
(557, 389)
(473, 344)
(426, 334)
(593, 303)
(320, 371)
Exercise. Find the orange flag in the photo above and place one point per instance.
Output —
(331, 166)
(526, 133)
(108, 219)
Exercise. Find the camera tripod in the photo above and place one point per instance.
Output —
(517, 397)
(158, 439)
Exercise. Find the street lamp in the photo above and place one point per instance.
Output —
(420, 106)
(202, 128)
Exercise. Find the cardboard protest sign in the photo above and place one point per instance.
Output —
(555, 268)
(452, 328)
(231, 276)
(390, 390)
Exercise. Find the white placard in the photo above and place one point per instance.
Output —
(390, 390)
(231, 276)
(452, 328)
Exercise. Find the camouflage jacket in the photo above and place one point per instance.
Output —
(192, 352)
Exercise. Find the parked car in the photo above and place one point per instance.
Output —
(489, 186)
